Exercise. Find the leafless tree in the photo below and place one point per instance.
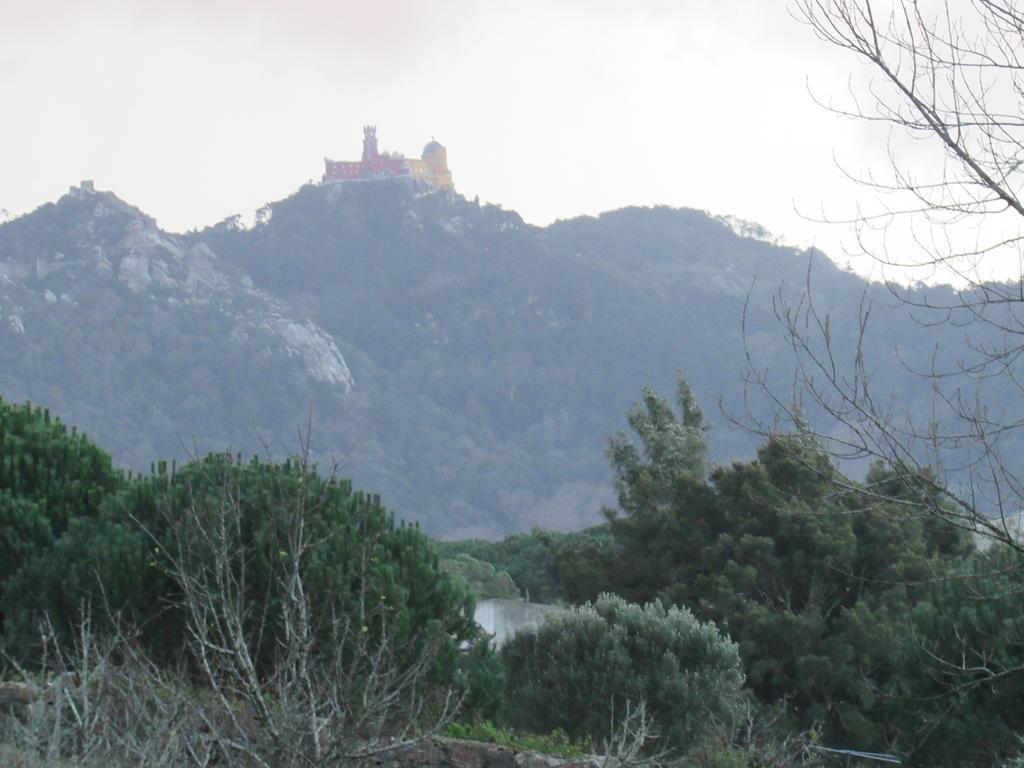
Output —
(951, 76)
(98, 701)
(631, 737)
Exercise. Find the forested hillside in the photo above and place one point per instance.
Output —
(467, 365)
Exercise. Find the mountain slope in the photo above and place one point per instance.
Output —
(465, 364)
(145, 339)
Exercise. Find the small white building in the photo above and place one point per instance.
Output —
(503, 618)
(1011, 525)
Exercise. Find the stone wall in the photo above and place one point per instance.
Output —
(456, 753)
(503, 618)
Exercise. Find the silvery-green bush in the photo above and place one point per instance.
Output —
(584, 667)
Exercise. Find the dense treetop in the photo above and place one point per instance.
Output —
(78, 538)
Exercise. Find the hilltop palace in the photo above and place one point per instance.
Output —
(431, 169)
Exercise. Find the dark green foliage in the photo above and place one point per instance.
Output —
(24, 531)
(525, 557)
(78, 538)
(479, 578)
(581, 669)
(112, 547)
(961, 665)
(536, 560)
(483, 676)
(671, 446)
(96, 564)
(42, 462)
(50, 478)
(274, 608)
(813, 585)
(583, 563)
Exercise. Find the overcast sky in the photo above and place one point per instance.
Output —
(195, 110)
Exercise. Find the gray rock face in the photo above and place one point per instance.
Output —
(117, 242)
(318, 350)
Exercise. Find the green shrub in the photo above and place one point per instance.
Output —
(960, 661)
(483, 678)
(480, 578)
(291, 601)
(50, 477)
(583, 669)
(357, 557)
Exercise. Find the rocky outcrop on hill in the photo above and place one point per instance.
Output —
(106, 243)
